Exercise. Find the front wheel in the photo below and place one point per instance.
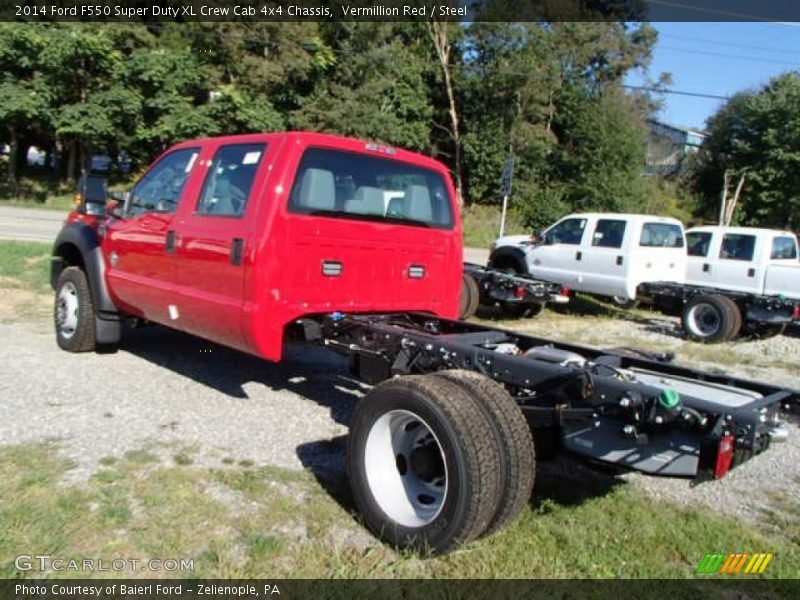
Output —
(423, 464)
(74, 312)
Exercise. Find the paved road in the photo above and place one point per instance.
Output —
(39, 225)
(30, 224)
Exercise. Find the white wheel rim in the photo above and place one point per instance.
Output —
(67, 310)
(406, 469)
(704, 320)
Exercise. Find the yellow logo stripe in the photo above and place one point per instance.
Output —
(765, 563)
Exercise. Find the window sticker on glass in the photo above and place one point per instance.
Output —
(251, 158)
(190, 164)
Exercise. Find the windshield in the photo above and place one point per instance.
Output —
(358, 186)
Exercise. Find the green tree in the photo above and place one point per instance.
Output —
(24, 96)
(755, 135)
(376, 91)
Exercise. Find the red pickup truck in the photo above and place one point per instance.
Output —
(250, 240)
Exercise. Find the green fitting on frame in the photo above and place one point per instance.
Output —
(669, 398)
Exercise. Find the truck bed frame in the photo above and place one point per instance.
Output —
(620, 407)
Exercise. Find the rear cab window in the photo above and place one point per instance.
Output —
(568, 231)
(737, 246)
(661, 235)
(350, 185)
(698, 243)
(784, 248)
(609, 233)
(229, 180)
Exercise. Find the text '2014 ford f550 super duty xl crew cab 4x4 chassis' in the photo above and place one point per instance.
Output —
(250, 240)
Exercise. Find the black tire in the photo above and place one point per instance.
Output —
(518, 459)
(623, 302)
(73, 313)
(515, 310)
(711, 319)
(428, 421)
(763, 331)
(470, 297)
(736, 318)
(535, 309)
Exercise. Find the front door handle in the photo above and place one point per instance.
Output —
(706, 268)
(578, 255)
(172, 241)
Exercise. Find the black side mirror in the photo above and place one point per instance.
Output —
(92, 193)
(123, 202)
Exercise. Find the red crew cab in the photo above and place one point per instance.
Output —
(234, 238)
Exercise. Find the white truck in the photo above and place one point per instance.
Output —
(739, 280)
(608, 254)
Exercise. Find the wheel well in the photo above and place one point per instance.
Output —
(507, 260)
(66, 255)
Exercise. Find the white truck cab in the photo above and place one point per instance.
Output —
(609, 254)
(744, 259)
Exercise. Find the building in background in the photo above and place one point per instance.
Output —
(668, 146)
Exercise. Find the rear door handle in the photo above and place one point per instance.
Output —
(619, 260)
(237, 251)
(172, 241)
(706, 268)
(578, 255)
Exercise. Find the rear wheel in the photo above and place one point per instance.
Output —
(470, 297)
(423, 464)
(516, 310)
(514, 436)
(623, 302)
(711, 319)
(74, 312)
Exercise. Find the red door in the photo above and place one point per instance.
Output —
(140, 248)
(214, 242)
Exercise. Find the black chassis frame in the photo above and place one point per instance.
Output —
(498, 286)
(756, 308)
(552, 394)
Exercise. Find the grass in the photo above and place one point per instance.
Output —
(482, 224)
(26, 263)
(267, 522)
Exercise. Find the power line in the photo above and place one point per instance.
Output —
(656, 90)
(720, 43)
(724, 55)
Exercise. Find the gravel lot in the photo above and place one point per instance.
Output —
(172, 393)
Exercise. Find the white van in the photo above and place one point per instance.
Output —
(609, 254)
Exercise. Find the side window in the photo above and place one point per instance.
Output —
(608, 233)
(161, 188)
(568, 231)
(661, 235)
(230, 177)
(737, 246)
(783, 248)
(698, 243)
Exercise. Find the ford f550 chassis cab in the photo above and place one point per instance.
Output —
(609, 254)
(252, 240)
(739, 280)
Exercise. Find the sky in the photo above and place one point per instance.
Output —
(717, 59)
